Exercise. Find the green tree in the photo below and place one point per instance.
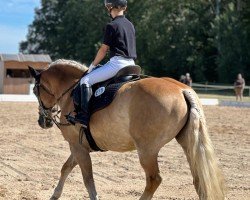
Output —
(69, 29)
(208, 40)
(232, 44)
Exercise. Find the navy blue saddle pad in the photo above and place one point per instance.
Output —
(104, 92)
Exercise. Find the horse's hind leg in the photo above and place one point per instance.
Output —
(153, 179)
(65, 171)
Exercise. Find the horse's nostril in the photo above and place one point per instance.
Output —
(40, 123)
(49, 123)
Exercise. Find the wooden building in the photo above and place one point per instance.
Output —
(14, 73)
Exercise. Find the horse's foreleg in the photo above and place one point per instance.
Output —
(153, 178)
(83, 159)
(65, 171)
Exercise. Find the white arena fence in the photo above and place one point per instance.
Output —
(32, 98)
(204, 101)
(217, 89)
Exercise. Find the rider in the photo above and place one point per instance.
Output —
(119, 40)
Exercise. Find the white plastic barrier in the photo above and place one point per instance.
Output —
(210, 102)
(18, 98)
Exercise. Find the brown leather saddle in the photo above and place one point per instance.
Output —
(104, 92)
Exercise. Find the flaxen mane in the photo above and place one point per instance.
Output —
(69, 63)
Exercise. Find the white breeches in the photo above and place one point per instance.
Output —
(107, 71)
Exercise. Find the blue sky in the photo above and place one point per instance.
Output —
(15, 16)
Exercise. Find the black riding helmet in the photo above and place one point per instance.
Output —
(115, 3)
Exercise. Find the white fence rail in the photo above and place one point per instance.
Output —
(206, 87)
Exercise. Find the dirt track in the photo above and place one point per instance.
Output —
(31, 160)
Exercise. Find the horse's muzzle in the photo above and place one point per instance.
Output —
(45, 122)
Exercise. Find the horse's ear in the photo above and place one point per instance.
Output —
(34, 73)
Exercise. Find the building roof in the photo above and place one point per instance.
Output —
(25, 58)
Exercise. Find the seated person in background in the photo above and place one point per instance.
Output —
(182, 78)
(239, 85)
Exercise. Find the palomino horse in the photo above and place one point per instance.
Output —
(144, 116)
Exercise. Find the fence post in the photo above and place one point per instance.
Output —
(2, 76)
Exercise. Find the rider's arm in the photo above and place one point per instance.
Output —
(101, 54)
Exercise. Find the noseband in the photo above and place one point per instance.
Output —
(47, 111)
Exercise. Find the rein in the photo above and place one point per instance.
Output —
(46, 111)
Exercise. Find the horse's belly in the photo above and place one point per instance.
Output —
(111, 131)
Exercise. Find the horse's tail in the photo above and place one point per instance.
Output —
(198, 148)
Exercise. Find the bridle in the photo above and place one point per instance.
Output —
(47, 112)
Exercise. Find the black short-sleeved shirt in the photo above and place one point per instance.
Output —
(120, 37)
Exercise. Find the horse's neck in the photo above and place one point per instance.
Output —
(66, 102)
(62, 80)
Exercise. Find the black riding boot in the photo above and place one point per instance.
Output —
(82, 116)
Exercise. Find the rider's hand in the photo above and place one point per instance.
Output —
(91, 67)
